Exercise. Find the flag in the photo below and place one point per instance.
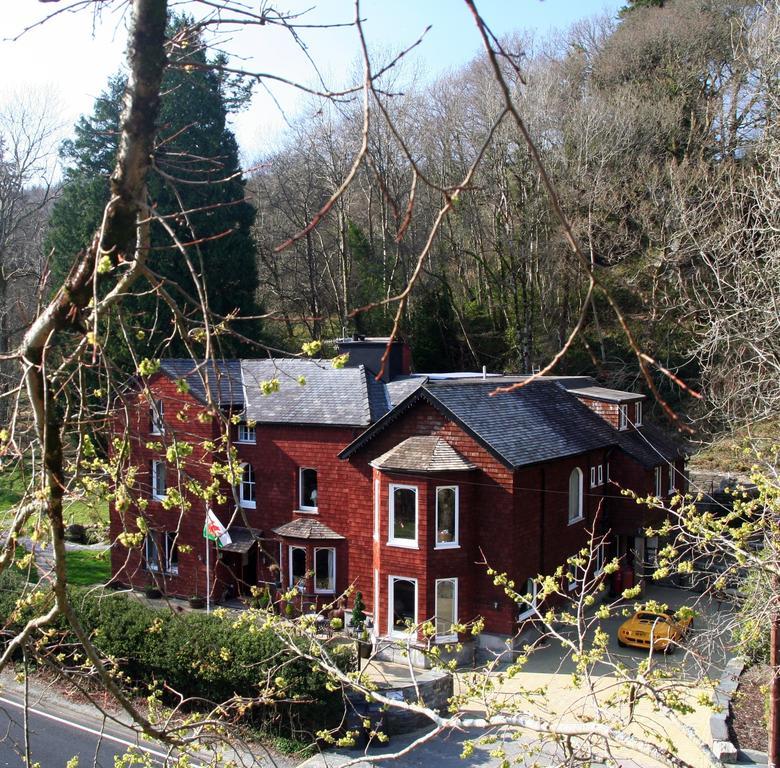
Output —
(215, 531)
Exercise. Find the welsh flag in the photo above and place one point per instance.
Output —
(215, 531)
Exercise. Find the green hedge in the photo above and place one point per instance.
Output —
(202, 656)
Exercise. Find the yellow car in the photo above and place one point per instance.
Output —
(663, 630)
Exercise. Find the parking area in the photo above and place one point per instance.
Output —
(546, 687)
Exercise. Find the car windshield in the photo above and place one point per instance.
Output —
(651, 617)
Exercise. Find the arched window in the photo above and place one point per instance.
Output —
(248, 487)
(575, 495)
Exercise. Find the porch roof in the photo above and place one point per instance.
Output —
(243, 539)
(306, 529)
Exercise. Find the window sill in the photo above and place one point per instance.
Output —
(247, 504)
(576, 520)
(158, 498)
(324, 591)
(306, 512)
(401, 544)
(245, 442)
(444, 639)
(447, 545)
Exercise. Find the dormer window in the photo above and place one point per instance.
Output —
(307, 481)
(246, 434)
(156, 413)
(623, 416)
(638, 414)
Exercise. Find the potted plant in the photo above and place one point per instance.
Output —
(358, 624)
(152, 592)
(196, 601)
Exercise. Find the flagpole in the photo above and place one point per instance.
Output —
(208, 578)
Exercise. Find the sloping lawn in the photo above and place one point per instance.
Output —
(86, 567)
(82, 509)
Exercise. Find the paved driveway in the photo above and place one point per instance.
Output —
(547, 671)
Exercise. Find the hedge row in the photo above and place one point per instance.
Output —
(199, 655)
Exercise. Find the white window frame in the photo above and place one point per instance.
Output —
(157, 416)
(293, 584)
(672, 476)
(247, 434)
(377, 504)
(391, 631)
(658, 477)
(307, 507)
(452, 637)
(571, 578)
(332, 588)
(391, 540)
(531, 610)
(593, 477)
(607, 472)
(245, 503)
(623, 416)
(455, 543)
(600, 558)
(638, 414)
(600, 472)
(170, 540)
(152, 564)
(580, 487)
(156, 465)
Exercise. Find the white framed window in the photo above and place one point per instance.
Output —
(607, 472)
(247, 495)
(151, 553)
(446, 610)
(623, 416)
(447, 516)
(156, 415)
(658, 482)
(307, 489)
(401, 606)
(599, 559)
(246, 434)
(297, 568)
(672, 478)
(600, 472)
(167, 557)
(158, 480)
(638, 414)
(593, 477)
(575, 495)
(403, 516)
(377, 501)
(529, 606)
(571, 578)
(324, 569)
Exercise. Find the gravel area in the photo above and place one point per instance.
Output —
(747, 725)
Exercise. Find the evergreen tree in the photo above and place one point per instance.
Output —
(196, 185)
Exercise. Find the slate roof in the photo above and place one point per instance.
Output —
(538, 422)
(425, 453)
(223, 376)
(306, 529)
(399, 389)
(334, 397)
(242, 539)
(649, 445)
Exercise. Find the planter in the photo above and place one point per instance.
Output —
(153, 593)
(365, 648)
(197, 602)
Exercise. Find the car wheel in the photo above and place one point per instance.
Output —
(670, 649)
(622, 644)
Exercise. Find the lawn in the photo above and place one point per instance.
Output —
(86, 567)
(82, 509)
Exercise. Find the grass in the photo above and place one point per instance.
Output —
(726, 453)
(85, 510)
(86, 567)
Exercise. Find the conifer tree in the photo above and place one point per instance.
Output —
(196, 186)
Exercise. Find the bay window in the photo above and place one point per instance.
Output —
(403, 516)
(447, 514)
(446, 609)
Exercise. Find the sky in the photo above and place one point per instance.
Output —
(70, 57)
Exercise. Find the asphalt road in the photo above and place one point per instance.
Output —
(56, 738)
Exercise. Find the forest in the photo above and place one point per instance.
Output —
(657, 128)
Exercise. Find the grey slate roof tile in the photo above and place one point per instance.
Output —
(336, 397)
(423, 453)
(306, 529)
(223, 376)
(399, 389)
(649, 445)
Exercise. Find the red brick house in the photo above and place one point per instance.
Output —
(401, 487)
